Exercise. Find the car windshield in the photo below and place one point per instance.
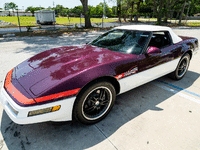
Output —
(123, 41)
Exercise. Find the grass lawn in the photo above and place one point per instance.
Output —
(30, 21)
(24, 21)
(65, 20)
(193, 24)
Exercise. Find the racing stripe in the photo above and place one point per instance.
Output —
(58, 95)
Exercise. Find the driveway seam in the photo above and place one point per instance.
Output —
(105, 136)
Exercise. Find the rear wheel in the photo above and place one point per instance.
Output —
(181, 68)
(94, 103)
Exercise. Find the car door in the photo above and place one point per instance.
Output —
(152, 65)
(160, 61)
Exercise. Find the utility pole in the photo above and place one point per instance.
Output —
(80, 18)
(104, 10)
(54, 16)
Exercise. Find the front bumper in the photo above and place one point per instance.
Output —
(196, 52)
(19, 114)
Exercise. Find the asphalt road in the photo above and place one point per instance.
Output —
(162, 114)
(52, 27)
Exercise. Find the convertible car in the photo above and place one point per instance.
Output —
(81, 82)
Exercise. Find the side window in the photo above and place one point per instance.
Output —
(160, 39)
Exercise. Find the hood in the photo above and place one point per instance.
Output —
(54, 66)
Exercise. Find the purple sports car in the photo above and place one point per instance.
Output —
(81, 82)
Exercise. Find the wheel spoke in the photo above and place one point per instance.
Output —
(180, 69)
(104, 102)
(102, 94)
(90, 109)
(93, 101)
(98, 110)
(184, 65)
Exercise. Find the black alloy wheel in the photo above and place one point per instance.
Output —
(94, 103)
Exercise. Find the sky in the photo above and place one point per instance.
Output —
(23, 4)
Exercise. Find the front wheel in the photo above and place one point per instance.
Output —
(94, 103)
(181, 68)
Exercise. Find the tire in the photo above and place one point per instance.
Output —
(94, 102)
(181, 68)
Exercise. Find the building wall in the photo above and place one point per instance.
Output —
(10, 13)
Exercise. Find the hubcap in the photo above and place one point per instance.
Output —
(182, 67)
(96, 103)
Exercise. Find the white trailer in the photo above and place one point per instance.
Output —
(45, 17)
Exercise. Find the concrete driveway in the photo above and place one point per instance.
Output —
(162, 114)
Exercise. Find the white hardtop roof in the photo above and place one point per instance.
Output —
(152, 28)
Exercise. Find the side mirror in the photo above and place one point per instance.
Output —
(153, 50)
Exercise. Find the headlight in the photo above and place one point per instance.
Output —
(43, 111)
(16, 112)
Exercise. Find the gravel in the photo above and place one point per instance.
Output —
(3, 23)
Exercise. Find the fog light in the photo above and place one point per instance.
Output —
(43, 111)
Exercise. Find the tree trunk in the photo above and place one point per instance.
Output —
(119, 9)
(158, 10)
(159, 19)
(167, 11)
(132, 5)
(182, 13)
(136, 18)
(166, 17)
(125, 17)
(137, 14)
(86, 13)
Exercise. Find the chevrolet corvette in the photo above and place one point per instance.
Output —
(81, 82)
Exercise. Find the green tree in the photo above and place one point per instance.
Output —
(49, 8)
(194, 7)
(77, 10)
(33, 9)
(165, 8)
(92, 11)
(145, 10)
(61, 10)
(99, 10)
(114, 10)
(10, 5)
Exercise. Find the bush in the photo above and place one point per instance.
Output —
(76, 27)
(28, 28)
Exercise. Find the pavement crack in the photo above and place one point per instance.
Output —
(105, 136)
(22, 145)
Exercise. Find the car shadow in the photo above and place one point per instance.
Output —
(73, 135)
(39, 44)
